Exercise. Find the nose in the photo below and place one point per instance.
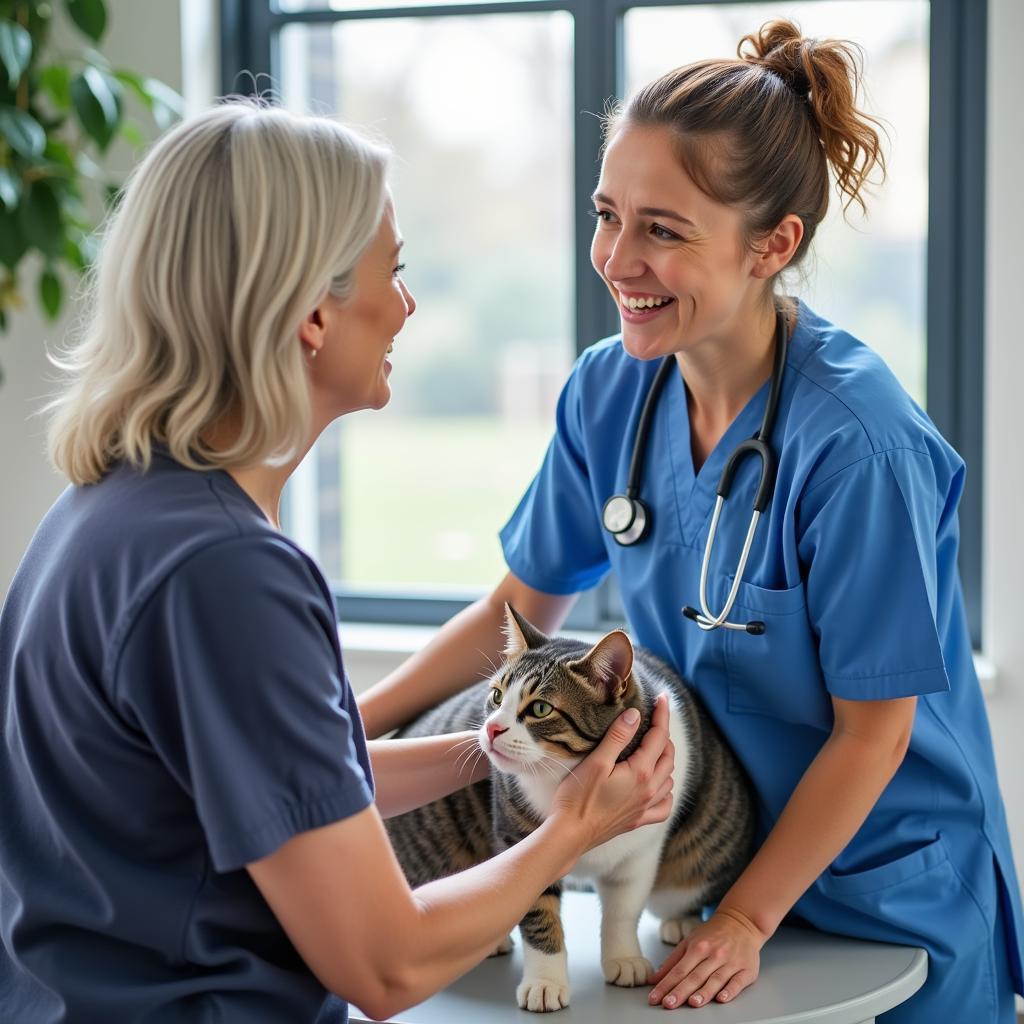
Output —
(410, 302)
(493, 730)
(622, 261)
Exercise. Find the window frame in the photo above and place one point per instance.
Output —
(955, 272)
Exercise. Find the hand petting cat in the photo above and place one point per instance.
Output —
(609, 809)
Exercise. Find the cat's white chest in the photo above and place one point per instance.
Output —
(603, 859)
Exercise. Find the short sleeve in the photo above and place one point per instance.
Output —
(232, 674)
(554, 540)
(869, 539)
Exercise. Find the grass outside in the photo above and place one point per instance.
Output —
(422, 500)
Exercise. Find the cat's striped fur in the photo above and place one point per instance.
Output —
(673, 868)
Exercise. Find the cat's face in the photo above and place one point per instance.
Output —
(553, 700)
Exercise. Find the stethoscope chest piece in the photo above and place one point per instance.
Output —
(625, 518)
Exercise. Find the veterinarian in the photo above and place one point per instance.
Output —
(834, 653)
(186, 796)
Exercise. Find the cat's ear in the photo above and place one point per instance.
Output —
(519, 634)
(608, 664)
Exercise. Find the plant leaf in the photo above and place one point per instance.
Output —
(10, 187)
(131, 132)
(50, 292)
(59, 152)
(40, 220)
(23, 132)
(160, 99)
(166, 104)
(135, 83)
(12, 242)
(97, 104)
(55, 80)
(15, 50)
(89, 15)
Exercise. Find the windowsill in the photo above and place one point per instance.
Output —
(380, 639)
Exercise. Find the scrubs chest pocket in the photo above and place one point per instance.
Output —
(777, 673)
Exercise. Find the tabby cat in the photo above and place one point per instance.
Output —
(537, 717)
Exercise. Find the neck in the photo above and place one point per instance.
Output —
(262, 482)
(723, 373)
(264, 485)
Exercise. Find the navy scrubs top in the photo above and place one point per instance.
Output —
(174, 707)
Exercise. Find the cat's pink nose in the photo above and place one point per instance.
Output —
(493, 729)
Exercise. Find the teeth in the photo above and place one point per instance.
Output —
(648, 302)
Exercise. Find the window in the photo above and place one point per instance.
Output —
(489, 107)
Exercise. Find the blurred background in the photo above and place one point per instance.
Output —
(492, 179)
(480, 111)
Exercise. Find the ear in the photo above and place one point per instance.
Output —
(519, 634)
(779, 247)
(608, 664)
(312, 331)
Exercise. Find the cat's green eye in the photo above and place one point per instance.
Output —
(496, 695)
(540, 709)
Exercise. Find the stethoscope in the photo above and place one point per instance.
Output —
(628, 519)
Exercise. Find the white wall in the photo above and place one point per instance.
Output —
(147, 35)
(1004, 372)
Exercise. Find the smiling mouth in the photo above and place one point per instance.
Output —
(637, 309)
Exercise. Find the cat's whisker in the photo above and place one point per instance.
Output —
(466, 752)
(561, 764)
(494, 668)
(466, 757)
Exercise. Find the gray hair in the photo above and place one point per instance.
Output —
(235, 226)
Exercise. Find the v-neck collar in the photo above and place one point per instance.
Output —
(696, 492)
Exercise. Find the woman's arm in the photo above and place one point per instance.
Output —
(837, 792)
(339, 892)
(411, 773)
(467, 648)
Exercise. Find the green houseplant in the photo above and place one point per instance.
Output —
(60, 110)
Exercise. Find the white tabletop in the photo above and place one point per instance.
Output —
(807, 977)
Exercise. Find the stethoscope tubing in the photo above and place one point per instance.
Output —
(627, 518)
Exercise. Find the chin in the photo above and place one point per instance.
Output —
(381, 398)
(644, 348)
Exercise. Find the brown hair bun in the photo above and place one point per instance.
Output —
(827, 73)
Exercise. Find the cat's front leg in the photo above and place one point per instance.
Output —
(545, 984)
(622, 902)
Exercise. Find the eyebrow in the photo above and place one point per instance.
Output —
(398, 248)
(646, 211)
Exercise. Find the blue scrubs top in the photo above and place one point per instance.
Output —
(853, 570)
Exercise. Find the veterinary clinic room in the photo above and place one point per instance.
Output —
(511, 508)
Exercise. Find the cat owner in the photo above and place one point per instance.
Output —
(188, 829)
(856, 709)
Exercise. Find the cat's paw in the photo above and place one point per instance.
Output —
(627, 971)
(503, 947)
(675, 929)
(542, 995)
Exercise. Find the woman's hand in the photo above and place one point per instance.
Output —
(717, 960)
(604, 798)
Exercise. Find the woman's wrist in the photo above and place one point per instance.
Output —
(570, 833)
(761, 922)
